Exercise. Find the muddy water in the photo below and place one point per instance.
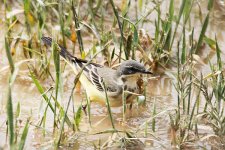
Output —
(31, 101)
(160, 90)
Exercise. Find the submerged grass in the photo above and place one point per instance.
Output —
(214, 107)
(42, 91)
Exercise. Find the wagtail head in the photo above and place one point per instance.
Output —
(131, 67)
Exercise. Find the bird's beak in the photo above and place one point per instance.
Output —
(146, 72)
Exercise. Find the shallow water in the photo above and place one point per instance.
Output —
(160, 90)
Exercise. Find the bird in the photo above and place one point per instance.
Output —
(98, 79)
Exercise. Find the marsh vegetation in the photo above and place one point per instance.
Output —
(43, 106)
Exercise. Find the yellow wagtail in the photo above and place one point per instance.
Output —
(126, 78)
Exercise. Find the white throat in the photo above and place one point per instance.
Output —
(130, 82)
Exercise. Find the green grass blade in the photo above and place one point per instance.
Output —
(168, 39)
(89, 108)
(153, 114)
(63, 112)
(62, 20)
(77, 25)
(26, 6)
(10, 117)
(187, 10)
(18, 110)
(41, 90)
(193, 109)
(108, 107)
(57, 69)
(218, 51)
(168, 28)
(26, 13)
(47, 100)
(202, 34)
(210, 42)
(182, 7)
(24, 136)
(183, 54)
(124, 105)
(65, 118)
(219, 88)
(171, 11)
(9, 56)
(140, 4)
(121, 29)
(135, 38)
(178, 21)
(78, 117)
(210, 4)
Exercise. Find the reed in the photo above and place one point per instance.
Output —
(181, 10)
(64, 118)
(202, 34)
(153, 114)
(10, 120)
(121, 31)
(43, 93)
(109, 108)
(24, 136)
(58, 75)
(77, 25)
(9, 106)
(89, 108)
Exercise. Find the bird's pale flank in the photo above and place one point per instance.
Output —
(127, 77)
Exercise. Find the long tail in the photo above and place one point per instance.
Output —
(63, 51)
(65, 54)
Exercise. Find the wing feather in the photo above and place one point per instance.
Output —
(91, 73)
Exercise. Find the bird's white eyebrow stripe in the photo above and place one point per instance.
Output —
(128, 66)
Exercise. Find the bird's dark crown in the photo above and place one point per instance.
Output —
(130, 67)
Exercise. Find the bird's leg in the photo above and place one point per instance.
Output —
(131, 105)
(84, 109)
